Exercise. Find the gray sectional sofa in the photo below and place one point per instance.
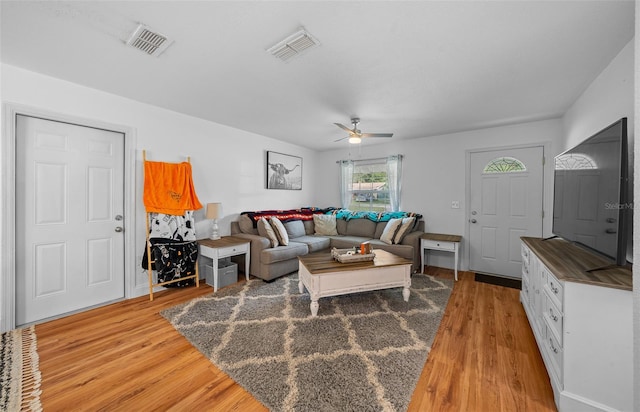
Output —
(269, 262)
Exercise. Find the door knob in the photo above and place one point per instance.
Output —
(473, 221)
(119, 229)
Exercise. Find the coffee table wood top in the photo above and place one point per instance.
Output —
(318, 263)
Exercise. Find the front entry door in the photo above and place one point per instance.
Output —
(505, 204)
(69, 218)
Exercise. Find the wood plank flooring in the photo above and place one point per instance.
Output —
(125, 357)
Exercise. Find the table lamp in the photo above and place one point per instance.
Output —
(214, 212)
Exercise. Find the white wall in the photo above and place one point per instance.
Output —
(610, 97)
(228, 164)
(434, 172)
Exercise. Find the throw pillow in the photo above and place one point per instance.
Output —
(281, 232)
(405, 228)
(325, 225)
(265, 230)
(390, 231)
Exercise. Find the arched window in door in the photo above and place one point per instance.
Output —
(504, 165)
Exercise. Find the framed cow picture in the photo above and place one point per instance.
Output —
(284, 171)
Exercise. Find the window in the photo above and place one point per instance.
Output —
(371, 185)
(504, 165)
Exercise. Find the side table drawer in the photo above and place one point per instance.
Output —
(435, 244)
(233, 250)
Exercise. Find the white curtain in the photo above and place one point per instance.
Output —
(394, 180)
(346, 179)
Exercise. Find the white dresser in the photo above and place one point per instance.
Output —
(583, 324)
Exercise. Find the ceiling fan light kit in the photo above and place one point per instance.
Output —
(356, 135)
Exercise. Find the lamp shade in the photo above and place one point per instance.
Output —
(214, 210)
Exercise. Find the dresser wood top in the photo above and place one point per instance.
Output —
(441, 237)
(570, 263)
(224, 241)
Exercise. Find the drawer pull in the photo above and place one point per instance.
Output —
(554, 317)
(553, 348)
(554, 288)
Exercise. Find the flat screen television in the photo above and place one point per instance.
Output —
(591, 205)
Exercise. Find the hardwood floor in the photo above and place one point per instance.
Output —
(125, 356)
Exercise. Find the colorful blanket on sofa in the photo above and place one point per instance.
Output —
(374, 216)
(304, 213)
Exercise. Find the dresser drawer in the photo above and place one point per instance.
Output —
(555, 289)
(526, 270)
(526, 291)
(554, 354)
(438, 245)
(525, 253)
(553, 317)
(233, 250)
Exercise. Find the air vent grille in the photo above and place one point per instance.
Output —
(149, 41)
(293, 45)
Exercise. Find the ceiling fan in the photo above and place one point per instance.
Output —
(356, 135)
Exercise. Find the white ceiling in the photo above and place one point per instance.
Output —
(417, 68)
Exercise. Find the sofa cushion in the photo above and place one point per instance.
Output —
(404, 251)
(295, 228)
(314, 243)
(407, 225)
(390, 231)
(361, 227)
(347, 242)
(281, 232)
(281, 253)
(325, 225)
(246, 225)
(265, 230)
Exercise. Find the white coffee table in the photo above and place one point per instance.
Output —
(323, 276)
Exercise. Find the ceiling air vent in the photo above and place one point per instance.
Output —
(149, 41)
(293, 45)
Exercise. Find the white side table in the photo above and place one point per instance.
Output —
(226, 246)
(439, 241)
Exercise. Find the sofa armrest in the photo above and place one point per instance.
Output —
(258, 244)
(413, 239)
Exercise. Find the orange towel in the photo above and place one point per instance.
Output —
(168, 188)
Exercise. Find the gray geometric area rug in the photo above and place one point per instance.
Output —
(363, 352)
(19, 371)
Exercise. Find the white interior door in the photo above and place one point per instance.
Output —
(69, 218)
(505, 204)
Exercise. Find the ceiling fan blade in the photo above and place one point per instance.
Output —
(344, 128)
(376, 135)
(342, 138)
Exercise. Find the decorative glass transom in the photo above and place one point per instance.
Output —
(504, 165)
(575, 161)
